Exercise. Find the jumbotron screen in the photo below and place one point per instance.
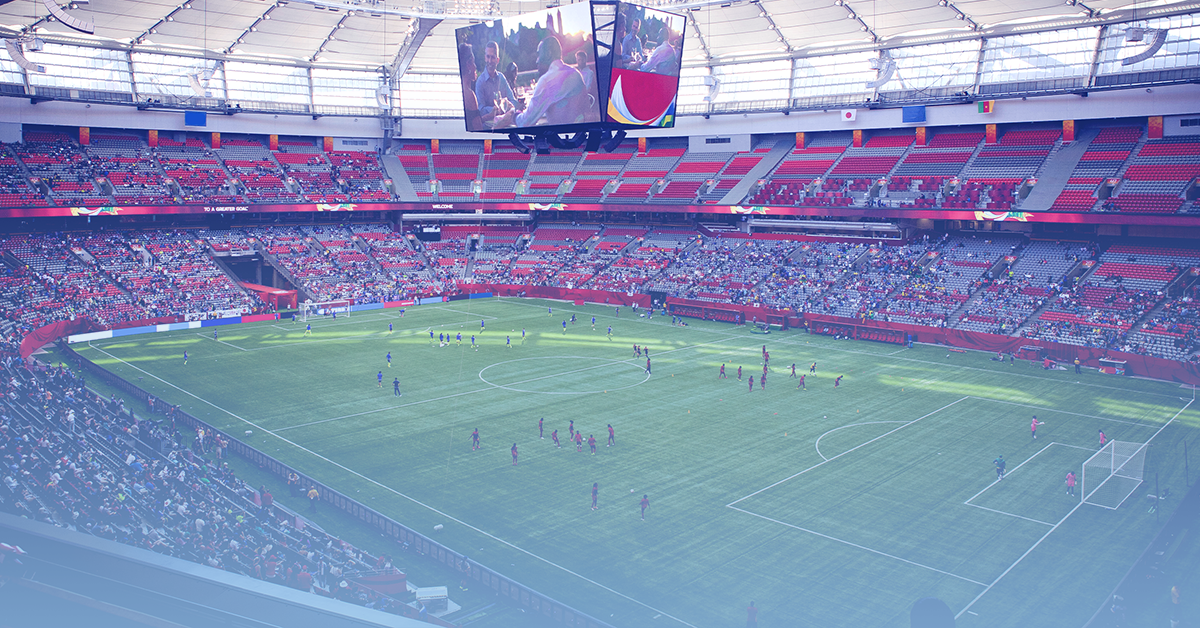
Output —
(531, 71)
(647, 51)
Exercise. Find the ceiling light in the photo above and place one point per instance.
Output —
(852, 16)
(153, 31)
(253, 28)
(942, 3)
(863, 28)
(187, 5)
(961, 16)
(170, 18)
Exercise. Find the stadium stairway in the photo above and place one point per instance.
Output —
(1080, 279)
(771, 159)
(1056, 172)
(400, 182)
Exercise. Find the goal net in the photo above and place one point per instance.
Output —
(318, 309)
(1112, 474)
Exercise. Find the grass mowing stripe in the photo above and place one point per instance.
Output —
(399, 494)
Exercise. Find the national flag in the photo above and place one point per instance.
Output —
(987, 106)
(848, 115)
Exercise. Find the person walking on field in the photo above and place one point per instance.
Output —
(1071, 483)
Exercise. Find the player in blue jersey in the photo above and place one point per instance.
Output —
(389, 359)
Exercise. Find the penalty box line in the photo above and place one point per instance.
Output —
(861, 547)
(402, 495)
(967, 608)
(823, 462)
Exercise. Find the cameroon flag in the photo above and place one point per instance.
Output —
(987, 106)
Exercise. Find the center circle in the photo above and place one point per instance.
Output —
(564, 375)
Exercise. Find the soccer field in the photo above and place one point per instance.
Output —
(826, 506)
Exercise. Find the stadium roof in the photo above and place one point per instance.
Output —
(374, 33)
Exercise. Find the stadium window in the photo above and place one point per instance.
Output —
(833, 79)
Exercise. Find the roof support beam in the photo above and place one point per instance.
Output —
(418, 29)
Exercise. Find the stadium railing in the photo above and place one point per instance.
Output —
(503, 586)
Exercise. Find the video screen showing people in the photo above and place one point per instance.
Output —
(647, 53)
(534, 70)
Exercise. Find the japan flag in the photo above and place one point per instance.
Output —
(848, 115)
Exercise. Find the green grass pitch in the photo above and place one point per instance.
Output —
(825, 506)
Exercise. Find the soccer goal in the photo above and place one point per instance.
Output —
(311, 310)
(1112, 474)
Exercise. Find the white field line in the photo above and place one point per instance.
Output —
(399, 494)
(861, 547)
(1009, 514)
(1008, 473)
(818, 443)
(491, 386)
(798, 474)
(471, 314)
(831, 347)
(228, 344)
(1055, 527)
(1045, 409)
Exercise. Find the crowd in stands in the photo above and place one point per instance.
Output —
(1065, 292)
(76, 460)
(954, 170)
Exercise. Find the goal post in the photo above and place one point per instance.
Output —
(1112, 474)
(316, 309)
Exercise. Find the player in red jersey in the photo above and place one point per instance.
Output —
(578, 441)
(645, 504)
(475, 439)
(720, 375)
(592, 443)
(739, 373)
(801, 384)
(572, 428)
(554, 437)
(595, 494)
(540, 427)
(612, 436)
(1033, 427)
(1103, 438)
(514, 453)
(793, 369)
(762, 382)
(1071, 483)
(751, 383)
(838, 382)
